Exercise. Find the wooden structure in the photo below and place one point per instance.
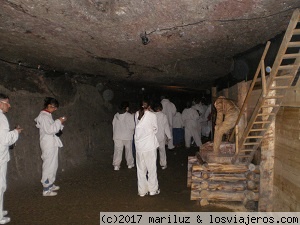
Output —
(216, 179)
(212, 182)
(283, 73)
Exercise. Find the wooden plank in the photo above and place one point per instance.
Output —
(291, 56)
(294, 44)
(216, 168)
(296, 32)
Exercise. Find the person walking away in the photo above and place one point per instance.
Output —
(178, 132)
(50, 130)
(169, 109)
(123, 129)
(162, 133)
(190, 119)
(207, 125)
(199, 106)
(146, 150)
(7, 138)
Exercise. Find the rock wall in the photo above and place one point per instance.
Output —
(88, 131)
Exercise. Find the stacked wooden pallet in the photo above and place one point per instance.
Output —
(213, 182)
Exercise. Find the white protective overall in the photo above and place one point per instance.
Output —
(146, 145)
(7, 138)
(200, 108)
(163, 131)
(207, 125)
(169, 110)
(123, 129)
(190, 119)
(49, 144)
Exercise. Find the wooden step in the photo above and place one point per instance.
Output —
(283, 77)
(244, 156)
(279, 87)
(291, 56)
(260, 122)
(269, 106)
(296, 31)
(286, 67)
(252, 143)
(254, 130)
(274, 97)
(294, 44)
(266, 114)
(251, 137)
(246, 150)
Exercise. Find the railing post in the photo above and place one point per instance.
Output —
(263, 78)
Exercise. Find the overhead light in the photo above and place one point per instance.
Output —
(145, 39)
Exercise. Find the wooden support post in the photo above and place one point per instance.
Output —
(236, 139)
(267, 164)
(263, 78)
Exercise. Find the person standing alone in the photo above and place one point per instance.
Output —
(7, 138)
(50, 131)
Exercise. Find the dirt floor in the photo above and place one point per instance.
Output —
(97, 187)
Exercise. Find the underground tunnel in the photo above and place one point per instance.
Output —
(95, 54)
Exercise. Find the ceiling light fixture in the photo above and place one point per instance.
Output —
(145, 39)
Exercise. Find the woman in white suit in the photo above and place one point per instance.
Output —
(146, 154)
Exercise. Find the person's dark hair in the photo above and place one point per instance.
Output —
(123, 106)
(188, 105)
(158, 106)
(3, 96)
(51, 101)
(142, 109)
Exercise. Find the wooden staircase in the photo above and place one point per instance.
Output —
(281, 77)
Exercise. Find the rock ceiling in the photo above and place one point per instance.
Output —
(189, 43)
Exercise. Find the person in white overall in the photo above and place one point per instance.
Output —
(170, 110)
(123, 129)
(7, 138)
(49, 143)
(190, 119)
(162, 133)
(146, 151)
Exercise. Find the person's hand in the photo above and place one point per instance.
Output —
(19, 129)
(63, 119)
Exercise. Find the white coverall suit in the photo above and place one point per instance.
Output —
(200, 108)
(190, 119)
(169, 109)
(163, 131)
(207, 125)
(123, 129)
(7, 138)
(146, 145)
(49, 144)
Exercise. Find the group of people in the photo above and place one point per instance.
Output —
(50, 130)
(153, 127)
(149, 129)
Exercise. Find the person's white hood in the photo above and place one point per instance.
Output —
(48, 128)
(123, 126)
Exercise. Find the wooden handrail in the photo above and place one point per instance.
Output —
(251, 88)
(263, 79)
